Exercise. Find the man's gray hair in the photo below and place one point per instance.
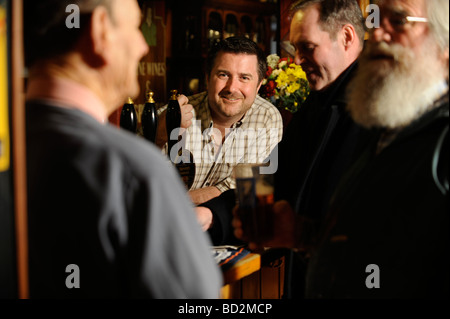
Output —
(438, 12)
(334, 14)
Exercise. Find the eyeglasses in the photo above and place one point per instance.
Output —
(400, 22)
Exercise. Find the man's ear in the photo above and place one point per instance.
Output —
(259, 86)
(349, 36)
(101, 35)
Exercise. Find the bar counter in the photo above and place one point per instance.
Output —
(255, 276)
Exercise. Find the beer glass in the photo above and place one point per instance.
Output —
(254, 193)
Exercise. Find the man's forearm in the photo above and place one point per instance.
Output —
(202, 195)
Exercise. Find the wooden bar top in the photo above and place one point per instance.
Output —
(244, 267)
(255, 276)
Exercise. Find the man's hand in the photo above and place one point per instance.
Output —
(186, 111)
(283, 228)
(204, 217)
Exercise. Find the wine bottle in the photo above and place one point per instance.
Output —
(149, 118)
(173, 119)
(128, 118)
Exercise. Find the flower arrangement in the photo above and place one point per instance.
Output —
(285, 84)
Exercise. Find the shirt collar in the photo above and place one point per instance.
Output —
(67, 93)
(237, 124)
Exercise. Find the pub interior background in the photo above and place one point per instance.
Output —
(178, 33)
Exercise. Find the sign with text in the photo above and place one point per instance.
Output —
(152, 70)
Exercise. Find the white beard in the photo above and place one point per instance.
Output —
(392, 93)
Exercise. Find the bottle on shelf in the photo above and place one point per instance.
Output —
(173, 119)
(128, 117)
(149, 118)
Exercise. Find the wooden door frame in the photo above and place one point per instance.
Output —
(18, 147)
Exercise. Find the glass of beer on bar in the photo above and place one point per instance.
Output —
(254, 194)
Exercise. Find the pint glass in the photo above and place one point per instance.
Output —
(254, 193)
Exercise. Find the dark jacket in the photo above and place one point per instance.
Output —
(317, 149)
(391, 210)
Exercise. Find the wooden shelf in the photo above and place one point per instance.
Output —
(195, 25)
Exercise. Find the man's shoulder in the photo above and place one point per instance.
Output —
(263, 103)
(133, 155)
(113, 148)
(263, 107)
(79, 133)
(197, 99)
(133, 149)
(263, 113)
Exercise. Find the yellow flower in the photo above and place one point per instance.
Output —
(293, 87)
(297, 71)
(291, 83)
(282, 79)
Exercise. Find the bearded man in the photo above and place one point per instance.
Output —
(387, 234)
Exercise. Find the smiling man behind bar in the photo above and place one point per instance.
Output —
(94, 201)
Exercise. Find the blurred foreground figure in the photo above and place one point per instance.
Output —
(103, 221)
